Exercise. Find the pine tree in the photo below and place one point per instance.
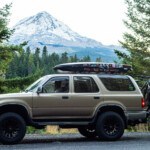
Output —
(64, 57)
(31, 66)
(5, 32)
(28, 51)
(86, 59)
(37, 58)
(45, 55)
(6, 51)
(99, 59)
(74, 58)
(25, 56)
(137, 39)
(23, 65)
(13, 67)
(45, 61)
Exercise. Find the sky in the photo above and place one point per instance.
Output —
(101, 20)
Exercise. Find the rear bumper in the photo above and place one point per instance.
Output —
(140, 116)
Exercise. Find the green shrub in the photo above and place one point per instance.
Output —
(17, 84)
(32, 130)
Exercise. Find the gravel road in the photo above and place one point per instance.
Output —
(130, 141)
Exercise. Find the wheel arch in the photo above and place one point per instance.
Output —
(18, 109)
(117, 109)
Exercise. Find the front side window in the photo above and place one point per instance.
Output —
(57, 85)
(85, 85)
(117, 84)
(33, 87)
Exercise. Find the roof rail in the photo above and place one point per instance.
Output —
(93, 67)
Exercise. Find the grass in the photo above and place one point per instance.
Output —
(145, 127)
(51, 130)
(56, 130)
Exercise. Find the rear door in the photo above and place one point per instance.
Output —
(86, 95)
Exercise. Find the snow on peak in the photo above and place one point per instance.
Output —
(44, 23)
(47, 29)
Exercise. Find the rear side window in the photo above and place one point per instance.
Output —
(85, 85)
(117, 84)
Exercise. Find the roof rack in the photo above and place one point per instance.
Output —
(93, 67)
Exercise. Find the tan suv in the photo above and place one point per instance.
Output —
(98, 105)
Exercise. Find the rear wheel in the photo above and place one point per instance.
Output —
(12, 128)
(110, 126)
(88, 132)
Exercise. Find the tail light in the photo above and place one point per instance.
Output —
(143, 103)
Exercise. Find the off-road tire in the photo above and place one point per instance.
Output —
(110, 126)
(12, 128)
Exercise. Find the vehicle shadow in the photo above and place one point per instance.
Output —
(75, 139)
(79, 139)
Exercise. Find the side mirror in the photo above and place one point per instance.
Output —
(39, 90)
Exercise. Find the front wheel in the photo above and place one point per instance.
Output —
(12, 128)
(110, 126)
(88, 132)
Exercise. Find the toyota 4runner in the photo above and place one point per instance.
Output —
(98, 105)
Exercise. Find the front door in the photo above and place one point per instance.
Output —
(51, 103)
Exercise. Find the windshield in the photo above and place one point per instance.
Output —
(33, 87)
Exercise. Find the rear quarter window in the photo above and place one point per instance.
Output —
(117, 84)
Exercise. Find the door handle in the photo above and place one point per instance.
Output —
(65, 97)
(96, 97)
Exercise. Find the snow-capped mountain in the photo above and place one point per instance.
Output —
(44, 30)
